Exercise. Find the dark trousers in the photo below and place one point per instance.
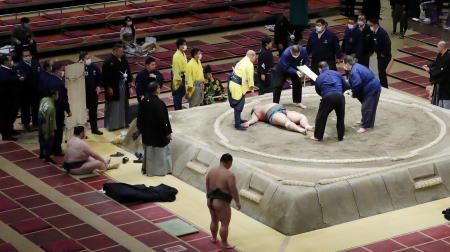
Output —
(57, 140)
(238, 106)
(383, 64)
(315, 64)
(280, 78)
(45, 145)
(330, 102)
(29, 106)
(369, 110)
(92, 105)
(265, 86)
(178, 97)
(364, 60)
(7, 118)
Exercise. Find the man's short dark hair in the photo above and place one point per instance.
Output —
(323, 65)
(295, 48)
(194, 52)
(180, 42)
(78, 130)
(52, 92)
(208, 69)
(57, 66)
(152, 87)
(47, 65)
(266, 40)
(149, 60)
(82, 55)
(349, 60)
(321, 21)
(24, 20)
(117, 47)
(4, 58)
(375, 21)
(226, 158)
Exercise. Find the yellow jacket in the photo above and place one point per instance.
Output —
(244, 69)
(194, 72)
(179, 62)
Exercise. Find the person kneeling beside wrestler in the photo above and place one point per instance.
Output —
(276, 114)
(81, 159)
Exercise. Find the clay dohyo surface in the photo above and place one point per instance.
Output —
(295, 185)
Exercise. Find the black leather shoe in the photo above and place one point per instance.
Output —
(97, 132)
(50, 160)
(240, 127)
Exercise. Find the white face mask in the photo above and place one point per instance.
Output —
(129, 23)
(88, 62)
(350, 26)
(63, 74)
(184, 48)
(27, 59)
(372, 28)
(360, 23)
(345, 68)
(319, 28)
(200, 56)
(295, 56)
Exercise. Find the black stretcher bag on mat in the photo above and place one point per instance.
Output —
(125, 193)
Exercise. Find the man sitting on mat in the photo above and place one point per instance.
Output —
(81, 159)
(276, 114)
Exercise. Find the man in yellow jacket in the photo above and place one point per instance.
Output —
(241, 81)
(195, 80)
(179, 62)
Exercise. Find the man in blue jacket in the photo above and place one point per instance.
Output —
(30, 69)
(351, 37)
(92, 81)
(291, 58)
(382, 47)
(42, 83)
(366, 88)
(146, 76)
(55, 81)
(323, 45)
(330, 85)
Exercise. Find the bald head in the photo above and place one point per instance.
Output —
(442, 46)
(251, 55)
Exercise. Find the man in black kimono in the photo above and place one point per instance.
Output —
(9, 83)
(154, 124)
(281, 35)
(116, 80)
(440, 76)
(265, 65)
(93, 81)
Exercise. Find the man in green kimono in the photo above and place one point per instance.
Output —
(47, 124)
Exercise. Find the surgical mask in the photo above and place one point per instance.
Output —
(63, 74)
(319, 28)
(295, 56)
(200, 56)
(350, 26)
(88, 62)
(184, 47)
(27, 59)
(345, 68)
(372, 28)
(129, 23)
(360, 23)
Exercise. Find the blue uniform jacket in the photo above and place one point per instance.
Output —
(31, 73)
(362, 82)
(55, 83)
(289, 64)
(92, 77)
(351, 40)
(9, 85)
(382, 43)
(42, 84)
(325, 48)
(143, 79)
(330, 82)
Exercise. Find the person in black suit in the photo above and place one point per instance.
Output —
(154, 125)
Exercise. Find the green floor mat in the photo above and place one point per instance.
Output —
(177, 227)
(82, 176)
